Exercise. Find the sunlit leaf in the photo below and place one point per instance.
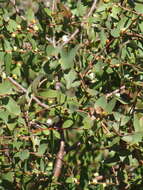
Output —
(6, 88)
(67, 123)
(24, 155)
(67, 58)
(11, 106)
(8, 176)
(42, 148)
(133, 138)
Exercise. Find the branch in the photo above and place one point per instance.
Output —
(129, 10)
(71, 37)
(60, 155)
(25, 91)
(93, 7)
(115, 91)
(59, 160)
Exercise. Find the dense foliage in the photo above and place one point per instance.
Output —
(71, 72)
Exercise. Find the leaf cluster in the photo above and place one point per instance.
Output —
(62, 70)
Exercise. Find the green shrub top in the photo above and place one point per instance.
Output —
(71, 72)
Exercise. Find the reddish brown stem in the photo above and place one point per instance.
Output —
(59, 160)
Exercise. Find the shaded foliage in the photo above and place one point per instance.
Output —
(72, 75)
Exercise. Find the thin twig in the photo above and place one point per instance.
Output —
(25, 91)
(115, 91)
(134, 35)
(129, 10)
(93, 7)
(71, 37)
(115, 175)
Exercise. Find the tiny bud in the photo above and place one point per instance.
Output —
(123, 30)
(33, 21)
(35, 28)
(91, 76)
(19, 63)
(3, 75)
(57, 85)
(106, 1)
(14, 76)
(96, 174)
(94, 181)
(6, 18)
(13, 35)
(49, 121)
(14, 48)
(18, 27)
(65, 38)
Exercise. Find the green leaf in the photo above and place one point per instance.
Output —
(16, 71)
(70, 180)
(12, 25)
(73, 106)
(123, 23)
(139, 8)
(115, 12)
(52, 51)
(141, 26)
(70, 78)
(1, 59)
(115, 62)
(42, 165)
(122, 119)
(30, 14)
(57, 134)
(54, 64)
(136, 123)
(35, 83)
(6, 88)
(81, 9)
(87, 123)
(133, 138)
(11, 126)
(107, 106)
(98, 68)
(4, 116)
(47, 10)
(49, 94)
(103, 37)
(101, 102)
(67, 58)
(110, 106)
(24, 155)
(11, 106)
(67, 123)
(17, 145)
(8, 62)
(8, 176)
(7, 46)
(42, 149)
(115, 32)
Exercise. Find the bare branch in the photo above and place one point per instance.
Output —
(71, 37)
(25, 91)
(115, 91)
(93, 7)
(59, 160)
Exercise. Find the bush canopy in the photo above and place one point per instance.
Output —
(71, 109)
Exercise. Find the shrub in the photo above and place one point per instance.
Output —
(71, 95)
